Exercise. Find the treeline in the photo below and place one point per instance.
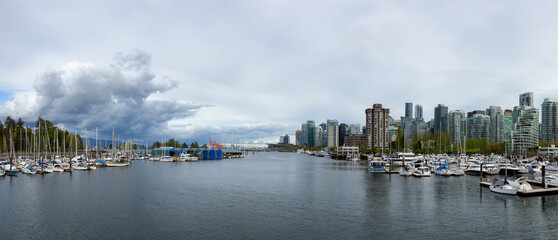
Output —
(15, 137)
(439, 142)
(176, 144)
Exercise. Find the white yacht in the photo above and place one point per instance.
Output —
(502, 186)
(549, 179)
(187, 157)
(406, 171)
(422, 172)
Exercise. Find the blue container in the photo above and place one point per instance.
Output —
(205, 154)
(219, 154)
(211, 154)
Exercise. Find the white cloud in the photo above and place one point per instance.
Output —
(284, 62)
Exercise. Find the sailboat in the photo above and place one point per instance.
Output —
(114, 162)
(502, 186)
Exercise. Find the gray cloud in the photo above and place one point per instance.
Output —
(83, 96)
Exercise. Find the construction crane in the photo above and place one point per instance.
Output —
(213, 144)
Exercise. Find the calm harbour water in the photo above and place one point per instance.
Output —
(263, 196)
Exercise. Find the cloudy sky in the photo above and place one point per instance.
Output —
(254, 70)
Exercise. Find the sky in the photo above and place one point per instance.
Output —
(250, 71)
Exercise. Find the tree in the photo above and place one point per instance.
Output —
(204, 146)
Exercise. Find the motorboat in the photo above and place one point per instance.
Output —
(549, 179)
(187, 157)
(58, 167)
(377, 166)
(79, 166)
(443, 171)
(28, 169)
(502, 186)
(119, 163)
(521, 184)
(406, 171)
(422, 172)
(509, 168)
(165, 159)
(473, 169)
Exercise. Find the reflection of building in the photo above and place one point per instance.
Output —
(377, 127)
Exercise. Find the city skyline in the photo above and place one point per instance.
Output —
(252, 71)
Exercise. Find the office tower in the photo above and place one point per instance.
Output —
(409, 110)
(343, 130)
(441, 118)
(418, 112)
(332, 133)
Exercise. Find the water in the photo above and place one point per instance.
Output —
(263, 196)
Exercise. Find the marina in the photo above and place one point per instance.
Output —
(278, 195)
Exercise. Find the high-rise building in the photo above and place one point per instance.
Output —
(457, 126)
(478, 126)
(525, 133)
(324, 126)
(418, 112)
(407, 127)
(441, 118)
(304, 134)
(377, 127)
(409, 110)
(332, 133)
(526, 99)
(343, 129)
(471, 113)
(507, 128)
(354, 129)
(308, 133)
(318, 134)
(549, 119)
(496, 124)
(284, 139)
(298, 136)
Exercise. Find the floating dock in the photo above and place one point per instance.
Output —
(551, 190)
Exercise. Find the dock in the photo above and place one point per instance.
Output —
(551, 190)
